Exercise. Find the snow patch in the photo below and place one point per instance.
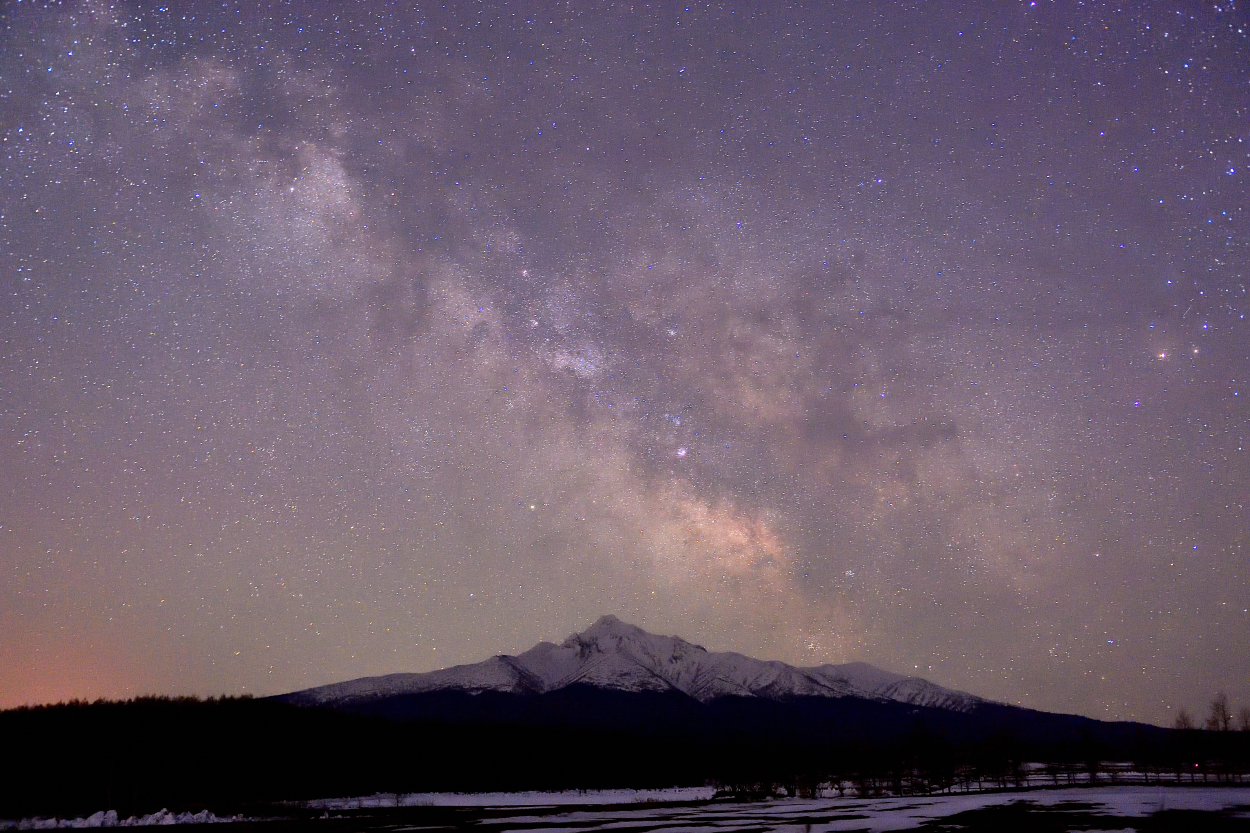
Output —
(110, 819)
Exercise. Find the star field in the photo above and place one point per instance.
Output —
(350, 339)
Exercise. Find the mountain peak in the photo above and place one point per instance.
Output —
(611, 629)
(609, 625)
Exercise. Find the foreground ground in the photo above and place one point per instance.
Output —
(1092, 808)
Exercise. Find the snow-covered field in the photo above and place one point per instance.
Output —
(691, 809)
(564, 798)
(908, 813)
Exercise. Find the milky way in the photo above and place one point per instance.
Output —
(345, 339)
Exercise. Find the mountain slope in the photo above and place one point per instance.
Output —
(613, 655)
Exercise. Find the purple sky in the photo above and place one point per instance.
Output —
(345, 339)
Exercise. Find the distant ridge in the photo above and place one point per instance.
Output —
(613, 706)
(614, 655)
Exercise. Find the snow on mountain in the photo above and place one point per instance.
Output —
(862, 677)
(613, 654)
(495, 674)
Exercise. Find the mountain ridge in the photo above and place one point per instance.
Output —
(614, 655)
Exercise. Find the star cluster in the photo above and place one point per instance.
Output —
(348, 339)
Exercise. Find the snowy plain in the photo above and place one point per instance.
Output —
(692, 809)
(883, 814)
(530, 798)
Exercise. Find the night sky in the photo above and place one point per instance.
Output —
(347, 339)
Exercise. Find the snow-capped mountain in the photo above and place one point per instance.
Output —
(614, 655)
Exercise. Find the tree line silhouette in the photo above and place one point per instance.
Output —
(233, 755)
(1220, 718)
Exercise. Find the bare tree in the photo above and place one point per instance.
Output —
(1243, 718)
(1183, 720)
(1221, 719)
